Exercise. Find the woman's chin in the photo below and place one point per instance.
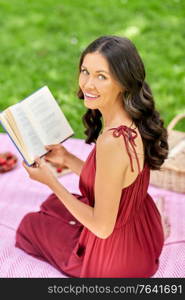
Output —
(90, 104)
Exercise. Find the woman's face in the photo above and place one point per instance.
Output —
(98, 85)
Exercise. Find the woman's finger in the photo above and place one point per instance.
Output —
(52, 146)
(37, 161)
(24, 164)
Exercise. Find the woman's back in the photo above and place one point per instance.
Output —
(137, 237)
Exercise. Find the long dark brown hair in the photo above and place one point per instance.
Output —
(127, 67)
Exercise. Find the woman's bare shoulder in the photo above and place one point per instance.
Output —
(106, 140)
(107, 137)
(121, 156)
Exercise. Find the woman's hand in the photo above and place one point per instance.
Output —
(40, 172)
(57, 156)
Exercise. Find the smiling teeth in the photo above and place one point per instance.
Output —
(89, 95)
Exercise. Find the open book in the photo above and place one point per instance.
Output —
(35, 122)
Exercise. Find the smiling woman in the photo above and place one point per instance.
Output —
(113, 229)
(95, 85)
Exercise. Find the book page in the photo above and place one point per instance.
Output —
(37, 121)
(46, 117)
(13, 136)
(12, 124)
(27, 132)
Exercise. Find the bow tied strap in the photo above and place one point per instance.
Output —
(129, 135)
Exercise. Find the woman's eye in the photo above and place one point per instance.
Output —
(84, 71)
(101, 76)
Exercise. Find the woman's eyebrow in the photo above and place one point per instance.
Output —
(98, 71)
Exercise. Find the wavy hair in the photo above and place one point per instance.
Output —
(127, 67)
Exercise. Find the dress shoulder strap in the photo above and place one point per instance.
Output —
(129, 135)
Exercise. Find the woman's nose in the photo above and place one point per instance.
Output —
(89, 83)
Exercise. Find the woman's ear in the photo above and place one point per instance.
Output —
(121, 93)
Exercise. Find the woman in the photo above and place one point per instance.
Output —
(114, 228)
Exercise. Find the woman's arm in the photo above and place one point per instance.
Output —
(74, 163)
(101, 218)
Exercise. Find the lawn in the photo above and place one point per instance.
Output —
(41, 42)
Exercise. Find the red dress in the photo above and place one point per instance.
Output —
(133, 248)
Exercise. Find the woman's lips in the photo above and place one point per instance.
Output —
(91, 98)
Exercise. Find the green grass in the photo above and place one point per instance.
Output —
(41, 42)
